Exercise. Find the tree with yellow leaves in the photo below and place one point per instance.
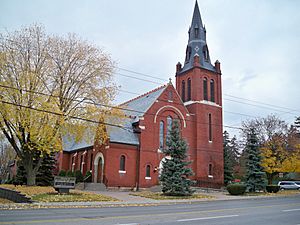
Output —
(48, 88)
(279, 146)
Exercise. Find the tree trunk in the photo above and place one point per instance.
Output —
(31, 177)
(270, 177)
(31, 167)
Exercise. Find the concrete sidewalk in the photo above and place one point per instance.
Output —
(125, 199)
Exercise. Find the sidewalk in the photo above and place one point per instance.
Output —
(129, 200)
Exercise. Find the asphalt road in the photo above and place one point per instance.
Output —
(273, 211)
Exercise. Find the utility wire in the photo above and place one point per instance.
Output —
(99, 104)
(274, 106)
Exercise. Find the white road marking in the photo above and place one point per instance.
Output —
(127, 224)
(207, 218)
(290, 210)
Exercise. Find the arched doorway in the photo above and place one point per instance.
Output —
(98, 168)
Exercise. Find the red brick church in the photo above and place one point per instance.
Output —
(132, 157)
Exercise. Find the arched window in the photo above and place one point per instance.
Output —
(161, 134)
(122, 163)
(209, 128)
(170, 95)
(212, 90)
(210, 169)
(189, 87)
(81, 163)
(205, 96)
(148, 168)
(183, 90)
(169, 125)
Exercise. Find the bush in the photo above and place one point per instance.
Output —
(69, 173)
(272, 188)
(62, 173)
(236, 189)
(79, 176)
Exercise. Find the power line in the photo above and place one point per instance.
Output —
(274, 106)
(110, 106)
(143, 74)
(61, 114)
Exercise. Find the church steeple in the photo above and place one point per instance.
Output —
(197, 45)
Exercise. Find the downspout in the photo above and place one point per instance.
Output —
(138, 161)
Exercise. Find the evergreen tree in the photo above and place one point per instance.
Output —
(297, 124)
(228, 164)
(175, 172)
(254, 170)
(45, 176)
(21, 174)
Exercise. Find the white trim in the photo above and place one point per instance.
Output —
(96, 161)
(107, 147)
(209, 141)
(122, 171)
(203, 102)
(147, 178)
(142, 127)
(176, 109)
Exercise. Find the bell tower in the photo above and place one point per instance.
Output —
(198, 82)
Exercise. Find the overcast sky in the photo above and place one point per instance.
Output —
(257, 43)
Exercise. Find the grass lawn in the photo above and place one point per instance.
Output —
(48, 194)
(160, 196)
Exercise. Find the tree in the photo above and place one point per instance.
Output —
(48, 87)
(228, 164)
(297, 124)
(278, 145)
(44, 175)
(6, 155)
(254, 170)
(175, 172)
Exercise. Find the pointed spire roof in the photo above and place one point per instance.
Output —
(196, 16)
(197, 44)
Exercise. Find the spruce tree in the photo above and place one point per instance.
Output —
(228, 164)
(45, 176)
(254, 171)
(175, 171)
(297, 124)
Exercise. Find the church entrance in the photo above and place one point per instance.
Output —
(99, 168)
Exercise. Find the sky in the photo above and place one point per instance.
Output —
(257, 43)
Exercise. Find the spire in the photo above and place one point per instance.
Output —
(197, 43)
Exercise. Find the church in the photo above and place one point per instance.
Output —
(133, 157)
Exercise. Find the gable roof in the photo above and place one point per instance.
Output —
(132, 109)
(140, 105)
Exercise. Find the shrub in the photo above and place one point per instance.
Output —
(79, 176)
(272, 188)
(62, 173)
(69, 173)
(236, 189)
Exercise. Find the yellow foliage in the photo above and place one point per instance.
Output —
(275, 158)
